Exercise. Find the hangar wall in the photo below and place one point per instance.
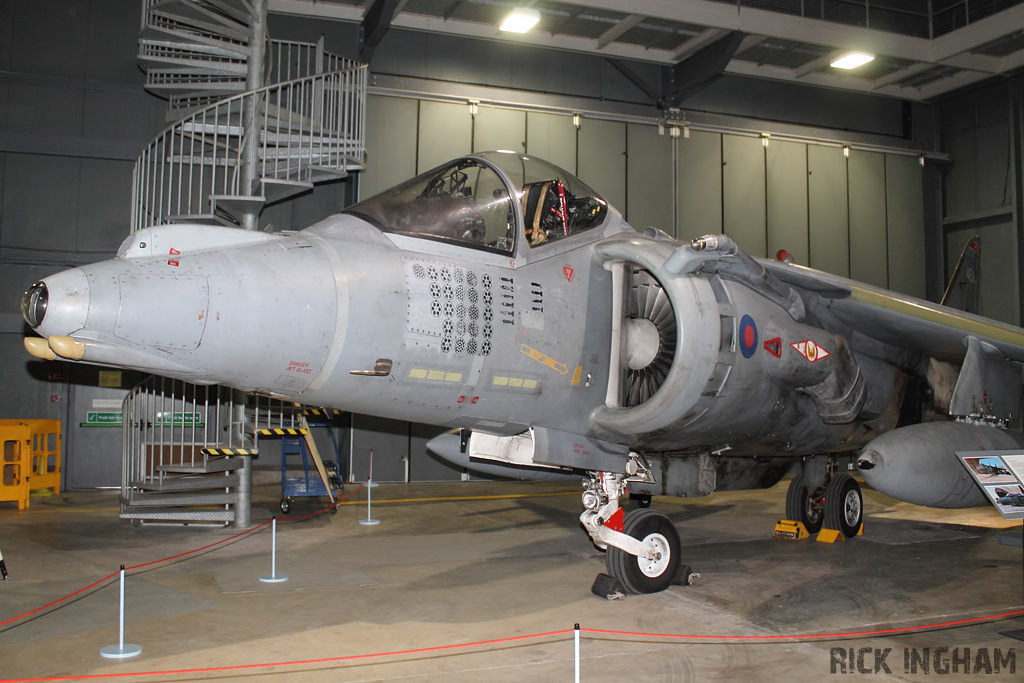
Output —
(850, 214)
(980, 131)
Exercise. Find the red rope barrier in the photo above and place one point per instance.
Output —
(819, 636)
(306, 662)
(66, 597)
(499, 641)
(184, 554)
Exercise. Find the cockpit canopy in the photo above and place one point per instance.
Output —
(488, 201)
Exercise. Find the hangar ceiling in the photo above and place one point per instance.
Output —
(924, 48)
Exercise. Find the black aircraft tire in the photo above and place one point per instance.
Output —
(639, 576)
(844, 505)
(798, 506)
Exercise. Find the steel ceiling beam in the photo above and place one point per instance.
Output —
(618, 30)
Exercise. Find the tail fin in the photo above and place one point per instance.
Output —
(963, 290)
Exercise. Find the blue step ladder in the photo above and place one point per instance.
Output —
(298, 443)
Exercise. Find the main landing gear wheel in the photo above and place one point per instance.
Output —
(803, 506)
(844, 505)
(639, 575)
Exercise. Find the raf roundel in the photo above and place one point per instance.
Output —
(748, 336)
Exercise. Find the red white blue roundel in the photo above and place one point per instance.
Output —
(748, 336)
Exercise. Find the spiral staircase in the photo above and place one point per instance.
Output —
(256, 121)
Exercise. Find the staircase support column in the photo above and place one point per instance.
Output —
(253, 81)
(243, 505)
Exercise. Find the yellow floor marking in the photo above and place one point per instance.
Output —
(452, 498)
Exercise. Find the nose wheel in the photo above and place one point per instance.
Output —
(641, 575)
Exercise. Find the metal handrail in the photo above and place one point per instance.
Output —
(169, 422)
(304, 125)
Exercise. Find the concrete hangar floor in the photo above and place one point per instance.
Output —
(463, 563)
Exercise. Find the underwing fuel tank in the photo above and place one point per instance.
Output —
(918, 463)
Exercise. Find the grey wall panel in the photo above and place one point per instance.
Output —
(905, 212)
(552, 137)
(40, 203)
(602, 159)
(64, 50)
(105, 190)
(123, 116)
(445, 132)
(423, 466)
(649, 173)
(959, 186)
(743, 193)
(786, 176)
(869, 257)
(998, 299)
(827, 214)
(495, 128)
(389, 441)
(992, 166)
(112, 40)
(700, 184)
(46, 110)
(391, 134)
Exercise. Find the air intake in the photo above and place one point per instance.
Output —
(651, 337)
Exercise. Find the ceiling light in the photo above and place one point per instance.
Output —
(852, 60)
(521, 20)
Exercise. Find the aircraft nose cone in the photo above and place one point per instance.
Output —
(57, 305)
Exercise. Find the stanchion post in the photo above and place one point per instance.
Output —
(121, 651)
(576, 637)
(272, 577)
(3, 568)
(369, 482)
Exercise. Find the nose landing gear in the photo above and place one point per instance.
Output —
(643, 546)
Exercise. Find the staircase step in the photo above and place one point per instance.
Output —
(179, 515)
(277, 189)
(189, 38)
(211, 128)
(219, 465)
(192, 14)
(193, 88)
(201, 219)
(167, 61)
(139, 499)
(236, 207)
(188, 483)
(158, 45)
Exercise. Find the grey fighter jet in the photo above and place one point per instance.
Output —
(499, 295)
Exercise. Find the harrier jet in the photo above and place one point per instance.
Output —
(501, 296)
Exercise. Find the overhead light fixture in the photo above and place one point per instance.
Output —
(521, 20)
(852, 60)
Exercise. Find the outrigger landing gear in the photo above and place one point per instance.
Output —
(643, 546)
(818, 496)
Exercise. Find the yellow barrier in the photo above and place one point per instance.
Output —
(30, 460)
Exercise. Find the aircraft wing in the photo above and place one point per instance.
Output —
(901, 321)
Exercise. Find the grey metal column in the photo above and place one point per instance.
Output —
(253, 81)
(243, 504)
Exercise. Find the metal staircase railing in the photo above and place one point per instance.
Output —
(302, 131)
(187, 451)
